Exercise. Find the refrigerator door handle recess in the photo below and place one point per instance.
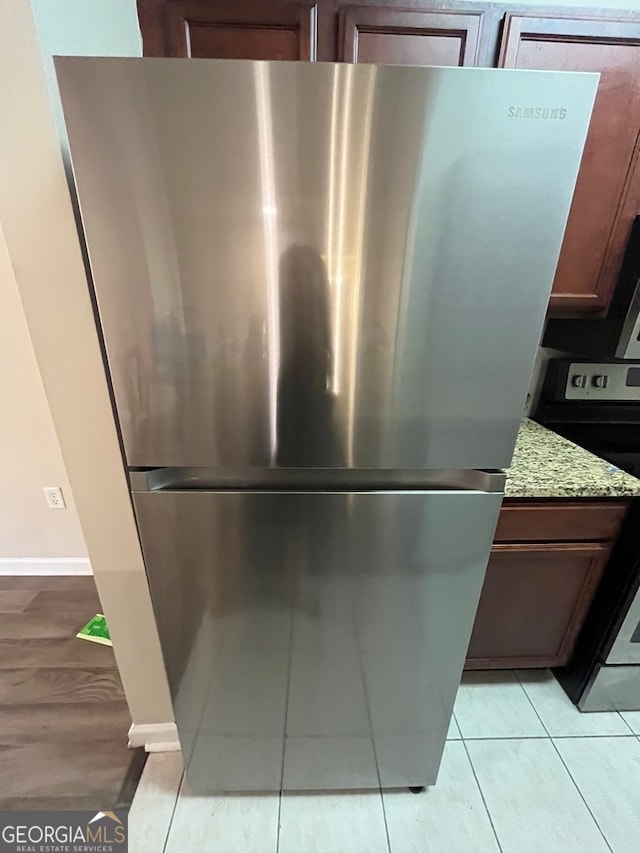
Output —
(299, 479)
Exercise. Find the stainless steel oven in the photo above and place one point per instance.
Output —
(597, 405)
(604, 673)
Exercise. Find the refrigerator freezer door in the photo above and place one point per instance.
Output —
(314, 639)
(321, 265)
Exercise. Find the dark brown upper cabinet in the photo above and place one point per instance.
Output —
(231, 29)
(408, 37)
(600, 216)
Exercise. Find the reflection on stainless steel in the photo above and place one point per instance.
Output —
(320, 265)
(321, 288)
(325, 629)
(269, 219)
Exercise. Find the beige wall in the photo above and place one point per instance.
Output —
(38, 225)
(83, 28)
(29, 452)
(32, 535)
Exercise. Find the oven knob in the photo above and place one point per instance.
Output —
(600, 381)
(579, 380)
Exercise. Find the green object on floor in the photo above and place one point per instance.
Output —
(96, 631)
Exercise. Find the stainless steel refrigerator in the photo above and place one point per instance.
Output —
(320, 289)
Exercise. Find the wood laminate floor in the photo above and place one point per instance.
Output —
(63, 716)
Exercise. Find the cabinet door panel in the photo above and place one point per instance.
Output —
(533, 603)
(597, 227)
(405, 37)
(229, 30)
(240, 42)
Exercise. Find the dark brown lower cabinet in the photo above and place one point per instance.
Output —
(536, 593)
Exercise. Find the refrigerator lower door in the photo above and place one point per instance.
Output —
(314, 640)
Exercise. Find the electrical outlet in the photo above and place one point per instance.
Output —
(54, 496)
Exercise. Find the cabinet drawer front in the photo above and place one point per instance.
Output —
(575, 521)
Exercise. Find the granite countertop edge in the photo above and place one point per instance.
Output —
(546, 465)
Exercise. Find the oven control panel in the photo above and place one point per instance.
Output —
(606, 381)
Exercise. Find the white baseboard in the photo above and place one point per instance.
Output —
(45, 566)
(155, 737)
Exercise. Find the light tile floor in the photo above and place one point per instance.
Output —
(522, 771)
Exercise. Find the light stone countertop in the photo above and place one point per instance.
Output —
(546, 465)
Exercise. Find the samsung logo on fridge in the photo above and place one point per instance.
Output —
(557, 113)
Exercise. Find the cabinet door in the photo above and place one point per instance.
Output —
(599, 221)
(406, 37)
(227, 29)
(533, 603)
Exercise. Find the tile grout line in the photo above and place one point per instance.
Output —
(484, 802)
(173, 811)
(508, 737)
(384, 814)
(530, 701)
(502, 681)
(582, 797)
(557, 737)
(473, 769)
(544, 737)
(606, 841)
(626, 724)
